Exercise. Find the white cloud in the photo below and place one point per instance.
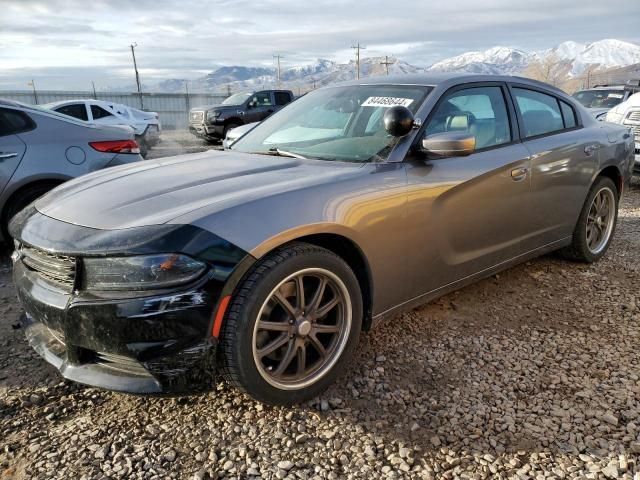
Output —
(182, 39)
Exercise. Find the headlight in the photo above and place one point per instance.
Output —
(211, 114)
(141, 272)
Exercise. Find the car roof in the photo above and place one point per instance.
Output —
(11, 103)
(605, 87)
(434, 79)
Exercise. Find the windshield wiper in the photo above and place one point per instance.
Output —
(284, 153)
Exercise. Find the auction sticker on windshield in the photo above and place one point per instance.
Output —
(387, 102)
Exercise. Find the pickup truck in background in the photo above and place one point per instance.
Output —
(212, 122)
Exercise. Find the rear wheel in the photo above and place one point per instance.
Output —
(19, 201)
(596, 224)
(292, 325)
(142, 143)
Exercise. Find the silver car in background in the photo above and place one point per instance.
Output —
(40, 149)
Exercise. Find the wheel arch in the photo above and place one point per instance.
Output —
(18, 190)
(236, 120)
(343, 246)
(615, 175)
(35, 182)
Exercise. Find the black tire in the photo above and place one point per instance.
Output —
(579, 249)
(144, 147)
(20, 201)
(236, 340)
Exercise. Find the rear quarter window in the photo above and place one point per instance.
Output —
(568, 115)
(14, 121)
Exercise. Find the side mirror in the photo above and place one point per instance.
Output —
(449, 144)
(252, 103)
(398, 121)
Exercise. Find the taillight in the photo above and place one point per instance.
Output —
(116, 146)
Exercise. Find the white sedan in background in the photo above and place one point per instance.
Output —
(628, 114)
(146, 125)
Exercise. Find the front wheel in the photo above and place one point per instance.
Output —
(596, 224)
(292, 325)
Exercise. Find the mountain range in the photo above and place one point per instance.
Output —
(575, 57)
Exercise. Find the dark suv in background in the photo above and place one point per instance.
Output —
(212, 122)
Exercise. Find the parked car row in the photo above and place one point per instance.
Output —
(213, 122)
(354, 203)
(601, 98)
(40, 149)
(628, 115)
(146, 125)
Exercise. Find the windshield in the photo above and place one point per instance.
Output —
(236, 99)
(599, 98)
(336, 123)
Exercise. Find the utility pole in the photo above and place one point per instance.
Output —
(32, 83)
(278, 57)
(386, 63)
(135, 67)
(94, 90)
(186, 89)
(357, 48)
(228, 90)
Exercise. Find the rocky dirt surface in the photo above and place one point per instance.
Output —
(531, 374)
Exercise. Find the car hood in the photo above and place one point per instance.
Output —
(157, 192)
(597, 111)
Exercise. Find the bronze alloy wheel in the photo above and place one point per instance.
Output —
(600, 220)
(302, 328)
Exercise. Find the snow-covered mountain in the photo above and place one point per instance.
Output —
(575, 58)
(496, 60)
(301, 78)
(602, 54)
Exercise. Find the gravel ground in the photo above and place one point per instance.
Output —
(533, 373)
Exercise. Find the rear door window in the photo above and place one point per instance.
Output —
(282, 98)
(14, 121)
(75, 110)
(540, 112)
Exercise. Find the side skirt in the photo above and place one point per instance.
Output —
(439, 292)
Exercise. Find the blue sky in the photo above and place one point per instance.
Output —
(64, 44)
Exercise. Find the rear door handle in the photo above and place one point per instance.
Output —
(519, 174)
(5, 155)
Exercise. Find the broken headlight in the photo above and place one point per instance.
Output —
(142, 272)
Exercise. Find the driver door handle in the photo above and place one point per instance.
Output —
(5, 155)
(519, 174)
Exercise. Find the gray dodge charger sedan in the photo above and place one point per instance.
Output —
(356, 202)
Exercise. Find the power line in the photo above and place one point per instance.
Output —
(135, 67)
(357, 48)
(386, 63)
(278, 57)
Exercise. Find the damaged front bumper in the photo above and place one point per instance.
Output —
(143, 342)
(152, 345)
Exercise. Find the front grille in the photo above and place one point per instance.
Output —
(57, 269)
(120, 363)
(196, 117)
(634, 116)
(636, 132)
